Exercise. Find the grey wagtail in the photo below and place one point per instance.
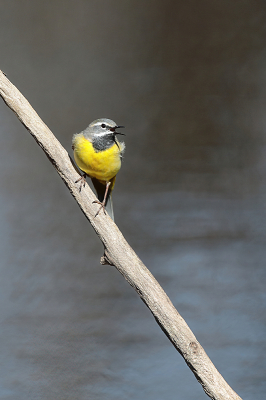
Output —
(98, 154)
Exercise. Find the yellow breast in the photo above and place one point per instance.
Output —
(102, 165)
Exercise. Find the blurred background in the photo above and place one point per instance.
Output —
(188, 81)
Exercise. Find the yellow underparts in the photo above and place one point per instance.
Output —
(102, 165)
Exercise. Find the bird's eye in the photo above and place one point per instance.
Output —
(103, 126)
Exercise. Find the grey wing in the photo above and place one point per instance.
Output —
(122, 147)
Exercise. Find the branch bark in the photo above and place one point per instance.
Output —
(118, 253)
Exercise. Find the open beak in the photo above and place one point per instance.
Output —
(117, 127)
(116, 133)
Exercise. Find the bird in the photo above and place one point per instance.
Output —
(98, 154)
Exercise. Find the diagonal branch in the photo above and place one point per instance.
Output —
(119, 254)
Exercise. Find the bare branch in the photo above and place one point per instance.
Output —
(119, 254)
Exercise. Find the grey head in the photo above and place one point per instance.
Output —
(102, 134)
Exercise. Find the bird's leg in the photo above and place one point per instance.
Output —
(82, 181)
(102, 204)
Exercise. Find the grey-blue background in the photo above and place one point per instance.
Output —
(188, 81)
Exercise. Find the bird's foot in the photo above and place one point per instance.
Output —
(82, 181)
(102, 207)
